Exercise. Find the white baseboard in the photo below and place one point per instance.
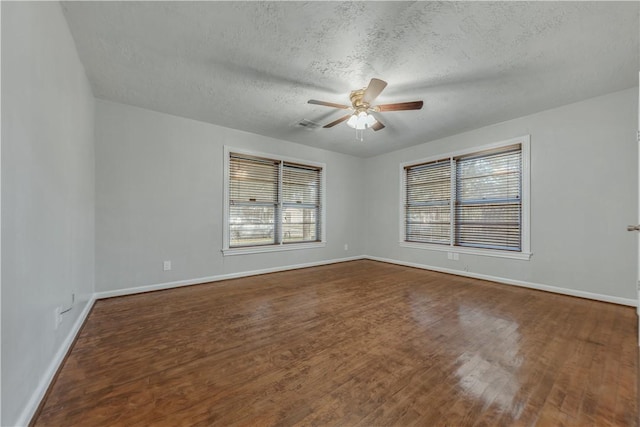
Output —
(217, 278)
(36, 397)
(555, 289)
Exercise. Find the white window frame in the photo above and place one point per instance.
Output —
(226, 250)
(525, 253)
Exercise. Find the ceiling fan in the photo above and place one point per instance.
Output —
(361, 118)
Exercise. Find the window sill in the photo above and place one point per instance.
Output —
(272, 248)
(470, 251)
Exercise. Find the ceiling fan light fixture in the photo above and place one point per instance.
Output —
(361, 120)
(370, 120)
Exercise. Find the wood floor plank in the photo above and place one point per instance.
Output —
(357, 343)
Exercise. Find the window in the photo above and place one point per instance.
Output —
(488, 202)
(428, 208)
(271, 203)
(471, 202)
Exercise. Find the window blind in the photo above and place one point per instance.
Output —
(301, 195)
(273, 202)
(428, 200)
(488, 199)
(253, 200)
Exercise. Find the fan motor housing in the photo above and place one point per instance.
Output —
(356, 99)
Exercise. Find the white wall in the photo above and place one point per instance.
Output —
(159, 196)
(584, 191)
(47, 195)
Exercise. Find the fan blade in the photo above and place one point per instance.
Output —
(414, 105)
(335, 122)
(328, 104)
(373, 90)
(377, 125)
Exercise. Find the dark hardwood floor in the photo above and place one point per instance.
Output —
(360, 343)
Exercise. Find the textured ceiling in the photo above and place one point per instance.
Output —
(253, 65)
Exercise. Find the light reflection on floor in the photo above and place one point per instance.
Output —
(489, 370)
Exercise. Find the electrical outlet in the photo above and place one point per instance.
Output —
(166, 265)
(456, 256)
(346, 247)
(449, 255)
